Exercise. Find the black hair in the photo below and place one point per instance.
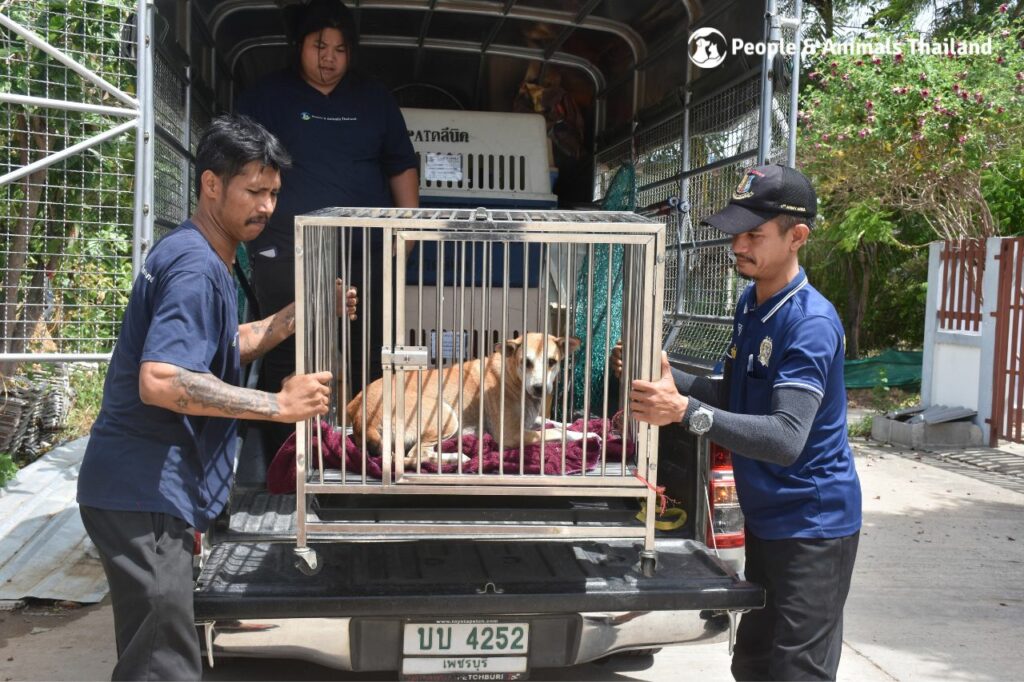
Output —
(233, 141)
(787, 221)
(317, 15)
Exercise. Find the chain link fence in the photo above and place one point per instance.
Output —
(67, 175)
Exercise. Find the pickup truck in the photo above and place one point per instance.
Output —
(463, 605)
(623, 115)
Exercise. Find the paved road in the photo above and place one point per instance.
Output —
(937, 594)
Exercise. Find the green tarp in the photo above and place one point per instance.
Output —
(894, 368)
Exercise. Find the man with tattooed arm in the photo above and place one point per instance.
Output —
(159, 460)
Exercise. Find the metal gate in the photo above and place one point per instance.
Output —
(73, 134)
(1008, 367)
(960, 295)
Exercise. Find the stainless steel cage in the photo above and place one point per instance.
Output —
(455, 283)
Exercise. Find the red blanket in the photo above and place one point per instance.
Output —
(281, 474)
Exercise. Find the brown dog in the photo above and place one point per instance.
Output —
(542, 369)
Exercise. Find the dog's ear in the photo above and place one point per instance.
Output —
(574, 344)
(509, 347)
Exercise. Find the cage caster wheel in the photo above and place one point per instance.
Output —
(648, 563)
(307, 561)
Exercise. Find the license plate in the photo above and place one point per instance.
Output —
(465, 650)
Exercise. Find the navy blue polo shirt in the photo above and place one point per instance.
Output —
(183, 311)
(794, 340)
(345, 147)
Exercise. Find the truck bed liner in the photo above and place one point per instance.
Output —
(396, 578)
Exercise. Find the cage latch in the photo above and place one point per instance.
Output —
(404, 357)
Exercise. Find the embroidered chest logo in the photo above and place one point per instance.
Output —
(306, 116)
(765, 352)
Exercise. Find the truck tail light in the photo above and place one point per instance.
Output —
(725, 520)
(197, 544)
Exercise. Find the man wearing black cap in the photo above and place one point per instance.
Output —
(781, 409)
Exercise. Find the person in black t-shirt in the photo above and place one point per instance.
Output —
(350, 147)
(159, 459)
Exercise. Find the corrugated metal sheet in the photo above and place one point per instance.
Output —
(44, 551)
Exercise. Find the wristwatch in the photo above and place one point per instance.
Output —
(701, 420)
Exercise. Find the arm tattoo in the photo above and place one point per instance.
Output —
(206, 390)
(260, 336)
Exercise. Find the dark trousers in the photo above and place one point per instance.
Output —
(148, 561)
(798, 635)
(274, 285)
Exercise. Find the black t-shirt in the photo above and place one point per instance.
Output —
(345, 147)
(183, 311)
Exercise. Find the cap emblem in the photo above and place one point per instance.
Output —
(743, 190)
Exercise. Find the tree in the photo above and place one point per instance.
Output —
(826, 15)
(949, 16)
(911, 133)
(917, 131)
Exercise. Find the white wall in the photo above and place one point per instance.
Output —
(958, 365)
(956, 370)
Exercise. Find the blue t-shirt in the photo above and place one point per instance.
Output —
(183, 311)
(794, 340)
(345, 147)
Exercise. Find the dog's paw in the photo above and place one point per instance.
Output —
(452, 457)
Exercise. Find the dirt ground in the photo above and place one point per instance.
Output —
(56, 633)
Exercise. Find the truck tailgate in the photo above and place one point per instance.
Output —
(460, 577)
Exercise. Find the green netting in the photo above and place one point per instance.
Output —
(621, 196)
(894, 368)
(242, 258)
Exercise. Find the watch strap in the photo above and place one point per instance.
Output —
(692, 407)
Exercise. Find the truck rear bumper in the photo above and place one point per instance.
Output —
(369, 644)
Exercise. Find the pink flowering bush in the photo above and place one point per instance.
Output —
(918, 133)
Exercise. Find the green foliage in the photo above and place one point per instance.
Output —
(1001, 184)
(898, 285)
(860, 428)
(915, 131)
(949, 17)
(87, 390)
(826, 15)
(863, 223)
(8, 468)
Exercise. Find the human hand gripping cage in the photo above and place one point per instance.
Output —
(494, 340)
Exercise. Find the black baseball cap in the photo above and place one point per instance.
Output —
(763, 193)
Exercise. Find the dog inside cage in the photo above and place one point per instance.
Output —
(495, 351)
